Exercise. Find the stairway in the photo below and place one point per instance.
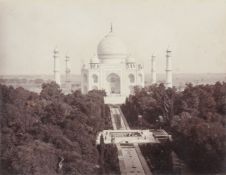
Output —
(131, 160)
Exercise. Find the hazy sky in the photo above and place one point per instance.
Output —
(195, 30)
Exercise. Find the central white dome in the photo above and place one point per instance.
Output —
(111, 48)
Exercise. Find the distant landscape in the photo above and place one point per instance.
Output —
(34, 82)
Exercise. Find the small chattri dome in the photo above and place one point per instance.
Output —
(94, 59)
(130, 60)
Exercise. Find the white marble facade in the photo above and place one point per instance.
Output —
(112, 70)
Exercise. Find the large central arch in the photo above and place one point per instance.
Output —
(114, 86)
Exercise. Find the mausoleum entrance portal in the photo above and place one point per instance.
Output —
(114, 86)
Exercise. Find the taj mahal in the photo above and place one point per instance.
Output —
(113, 69)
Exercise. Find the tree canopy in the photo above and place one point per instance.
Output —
(196, 118)
(40, 132)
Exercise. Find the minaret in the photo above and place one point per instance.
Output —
(169, 82)
(111, 29)
(56, 68)
(67, 69)
(153, 71)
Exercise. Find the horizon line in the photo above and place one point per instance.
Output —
(145, 74)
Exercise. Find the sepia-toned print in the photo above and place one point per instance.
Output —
(115, 87)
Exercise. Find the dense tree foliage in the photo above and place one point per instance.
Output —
(160, 160)
(196, 118)
(108, 158)
(51, 133)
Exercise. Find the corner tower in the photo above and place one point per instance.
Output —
(169, 79)
(56, 66)
(153, 70)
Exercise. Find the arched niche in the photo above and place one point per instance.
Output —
(131, 78)
(140, 79)
(85, 78)
(114, 84)
(95, 78)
